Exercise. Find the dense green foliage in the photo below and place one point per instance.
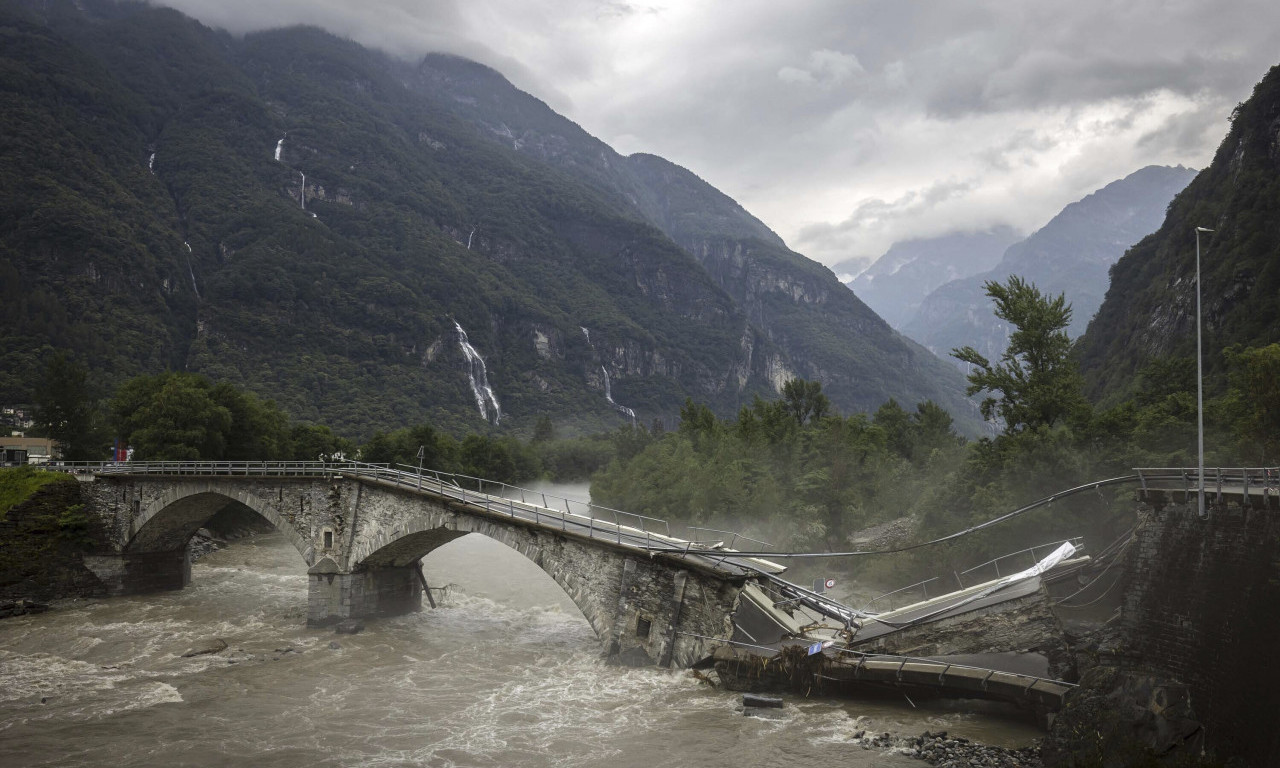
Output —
(1149, 311)
(803, 477)
(790, 471)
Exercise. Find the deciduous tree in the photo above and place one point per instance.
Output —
(1036, 383)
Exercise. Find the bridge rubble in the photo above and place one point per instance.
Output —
(998, 640)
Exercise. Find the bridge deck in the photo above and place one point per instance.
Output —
(591, 521)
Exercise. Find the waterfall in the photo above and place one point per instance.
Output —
(303, 196)
(151, 163)
(608, 395)
(608, 389)
(473, 234)
(478, 376)
(279, 148)
(190, 270)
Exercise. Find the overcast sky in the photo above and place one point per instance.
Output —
(845, 125)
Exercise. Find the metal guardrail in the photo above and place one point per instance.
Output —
(923, 585)
(1265, 479)
(734, 536)
(1078, 541)
(506, 491)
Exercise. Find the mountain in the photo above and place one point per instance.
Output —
(1071, 255)
(373, 242)
(1149, 310)
(896, 284)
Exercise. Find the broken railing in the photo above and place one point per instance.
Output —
(909, 592)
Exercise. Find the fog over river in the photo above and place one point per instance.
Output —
(506, 672)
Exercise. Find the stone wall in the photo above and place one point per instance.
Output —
(1203, 606)
(41, 549)
(1191, 662)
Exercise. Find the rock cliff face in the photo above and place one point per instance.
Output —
(1071, 254)
(314, 221)
(1149, 310)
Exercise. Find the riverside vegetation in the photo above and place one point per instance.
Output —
(793, 471)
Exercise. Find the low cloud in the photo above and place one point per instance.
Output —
(847, 126)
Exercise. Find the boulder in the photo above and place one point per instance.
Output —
(210, 646)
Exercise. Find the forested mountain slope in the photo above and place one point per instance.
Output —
(315, 221)
(1149, 310)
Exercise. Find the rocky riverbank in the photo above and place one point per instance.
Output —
(225, 527)
(945, 751)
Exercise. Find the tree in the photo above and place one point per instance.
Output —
(1255, 391)
(66, 409)
(805, 401)
(1036, 382)
(897, 426)
(544, 430)
(172, 416)
(934, 430)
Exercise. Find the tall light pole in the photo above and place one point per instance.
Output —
(1199, 374)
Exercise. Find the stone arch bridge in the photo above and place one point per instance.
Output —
(362, 530)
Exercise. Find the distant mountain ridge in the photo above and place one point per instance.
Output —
(1071, 254)
(316, 221)
(896, 284)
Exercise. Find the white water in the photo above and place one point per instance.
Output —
(151, 163)
(608, 388)
(190, 270)
(505, 672)
(303, 195)
(478, 376)
(608, 395)
(279, 148)
(473, 234)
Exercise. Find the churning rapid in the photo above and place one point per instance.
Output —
(505, 672)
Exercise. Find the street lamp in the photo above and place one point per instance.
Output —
(1199, 374)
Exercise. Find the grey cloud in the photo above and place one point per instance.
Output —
(833, 122)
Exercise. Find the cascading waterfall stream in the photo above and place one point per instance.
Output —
(478, 376)
(279, 148)
(608, 395)
(303, 195)
(191, 270)
(608, 389)
(151, 163)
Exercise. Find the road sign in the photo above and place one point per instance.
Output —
(815, 648)
(831, 583)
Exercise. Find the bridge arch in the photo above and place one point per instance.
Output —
(573, 568)
(169, 521)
